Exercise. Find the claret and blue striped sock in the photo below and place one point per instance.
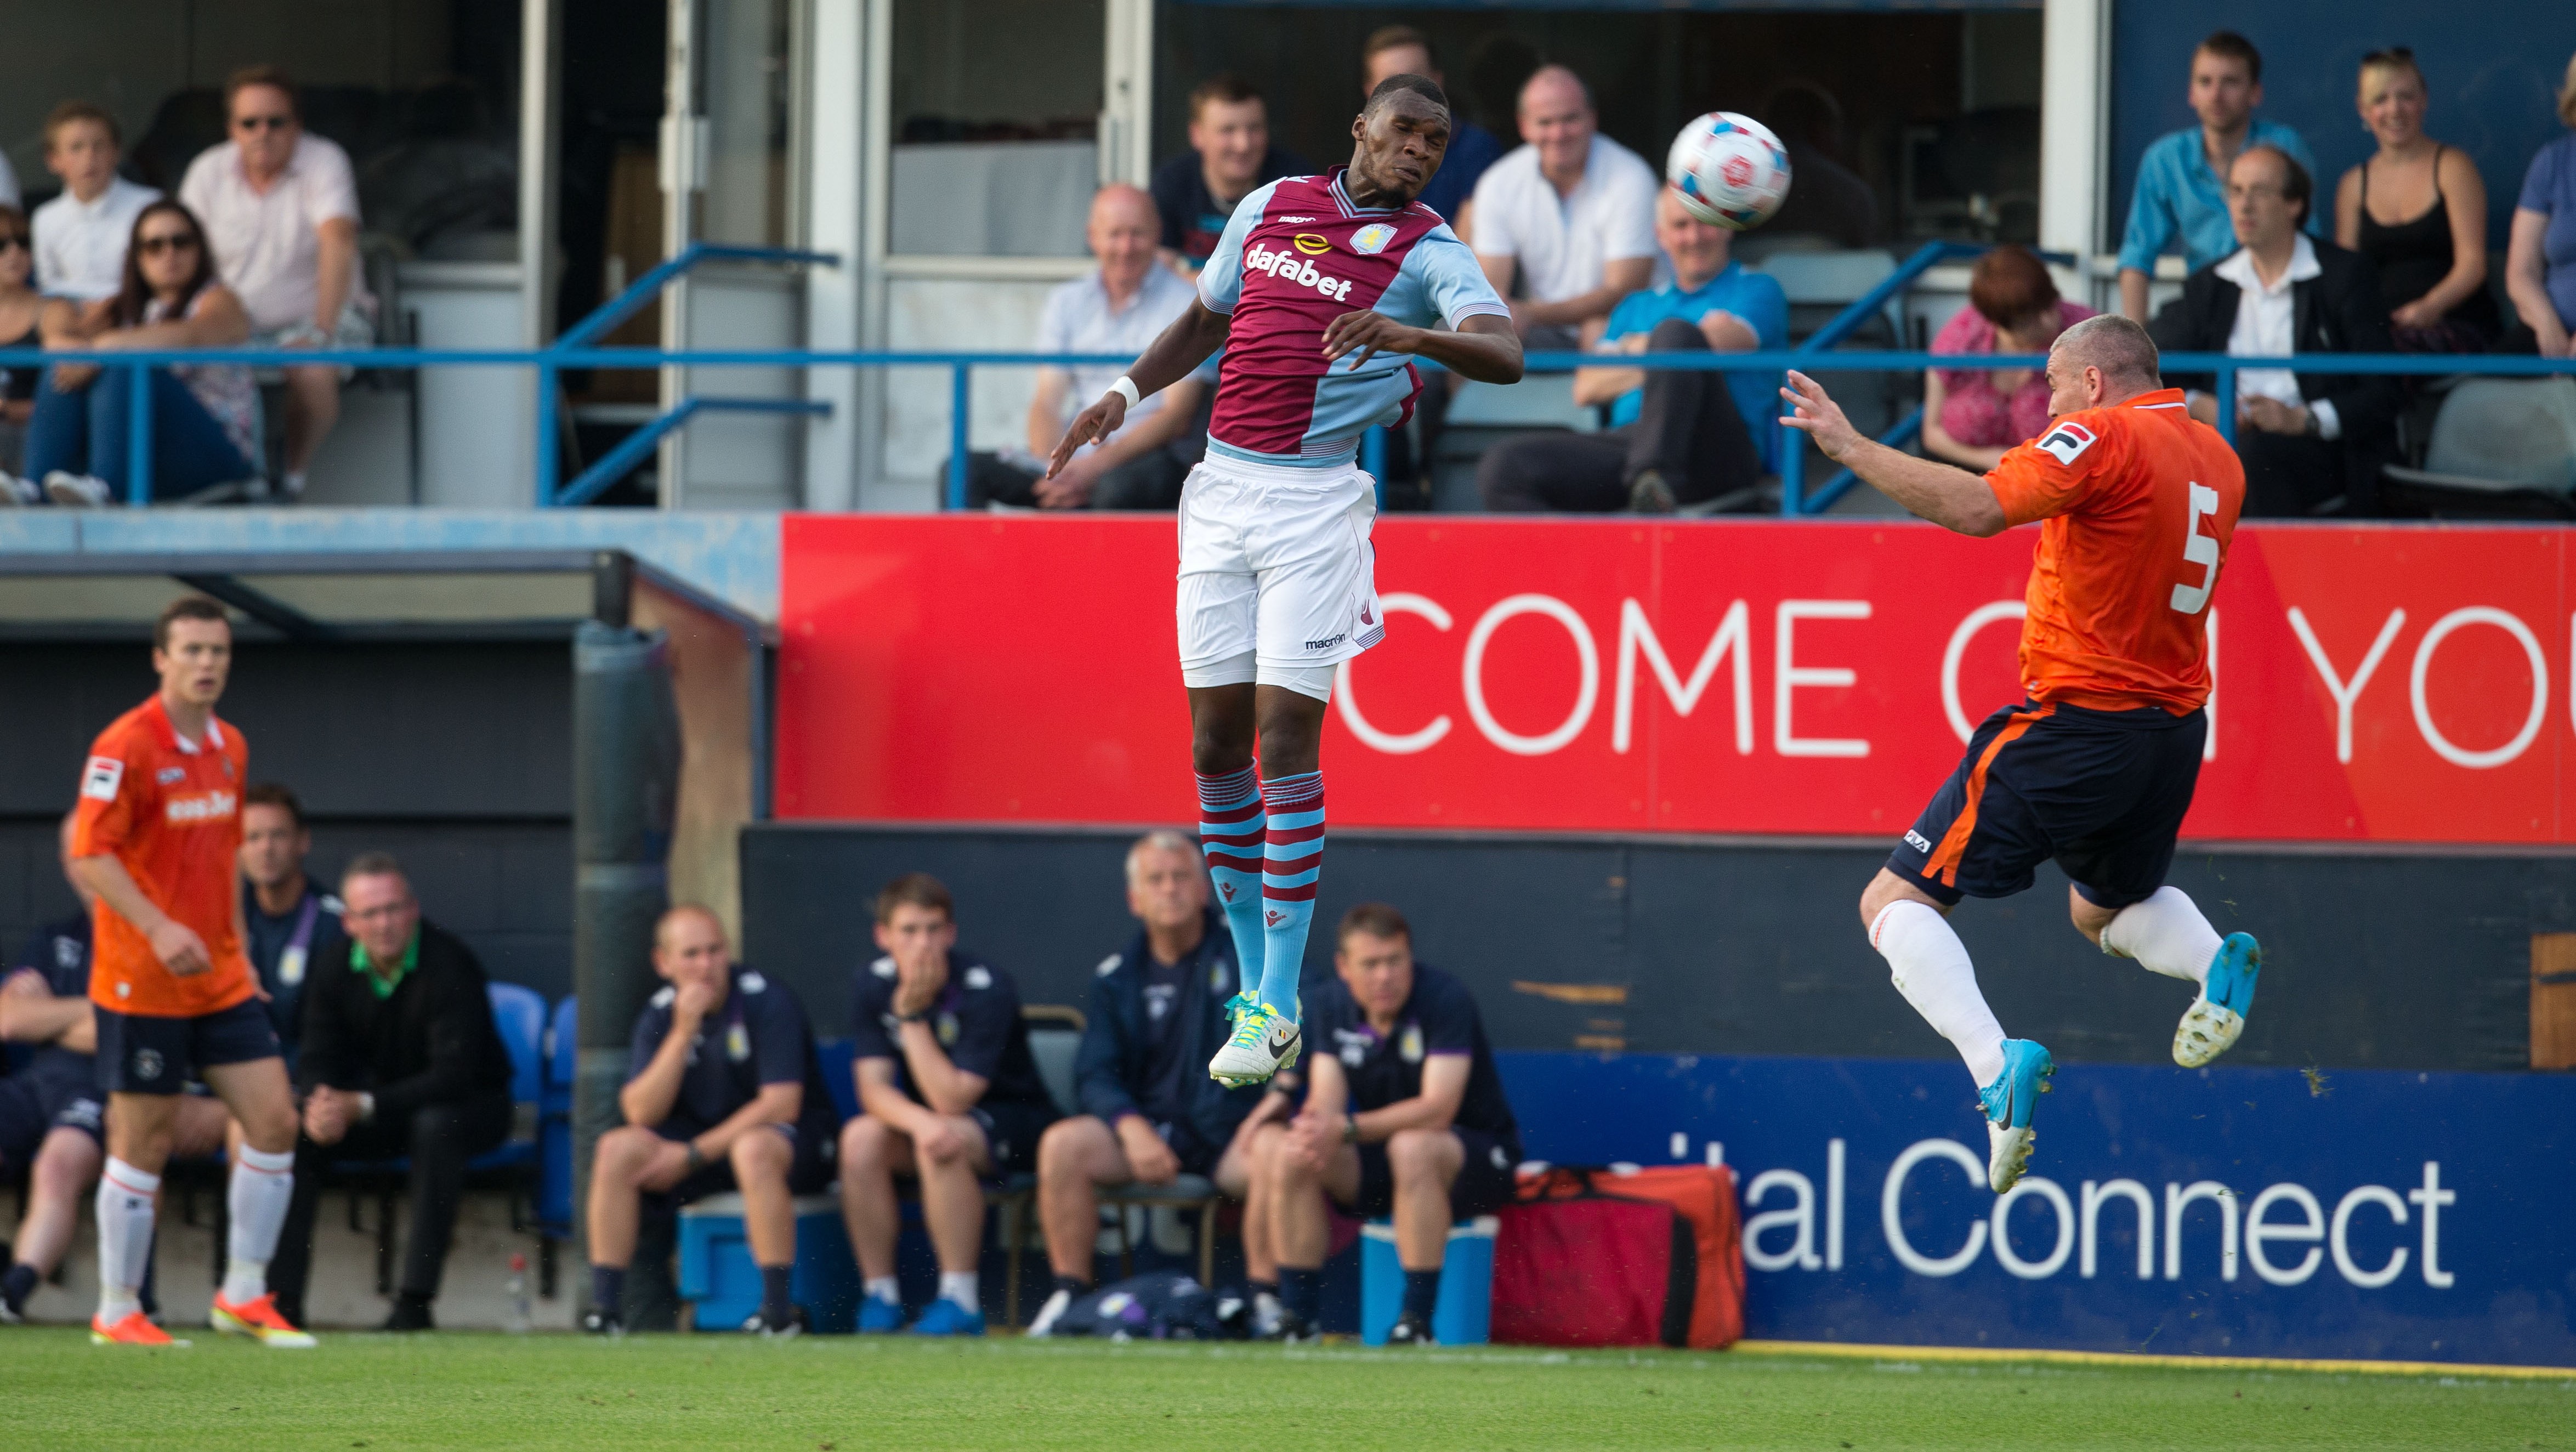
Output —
(1230, 830)
(1293, 860)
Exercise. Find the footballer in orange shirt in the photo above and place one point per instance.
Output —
(155, 840)
(2137, 503)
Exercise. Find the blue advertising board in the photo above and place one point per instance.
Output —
(2237, 1212)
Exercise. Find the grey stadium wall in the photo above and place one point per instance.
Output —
(2372, 960)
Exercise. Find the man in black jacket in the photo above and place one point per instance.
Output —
(1157, 1009)
(2308, 440)
(400, 1058)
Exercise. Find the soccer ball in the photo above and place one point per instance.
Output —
(1729, 170)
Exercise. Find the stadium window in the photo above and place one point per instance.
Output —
(996, 122)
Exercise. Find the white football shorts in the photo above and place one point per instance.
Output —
(1276, 564)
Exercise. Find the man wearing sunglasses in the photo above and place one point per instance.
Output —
(281, 210)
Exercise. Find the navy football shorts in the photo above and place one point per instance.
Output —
(808, 1171)
(34, 1105)
(142, 1053)
(1486, 1177)
(2102, 793)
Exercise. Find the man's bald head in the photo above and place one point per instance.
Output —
(2118, 348)
(1124, 201)
(685, 920)
(1123, 229)
(689, 947)
(1553, 86)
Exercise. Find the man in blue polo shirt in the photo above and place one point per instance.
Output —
(723, 1092)
(949, 1095)
(1147, 1114)
(1404, 1114)
(293, 923)
(1677, 437)
(2181, 196)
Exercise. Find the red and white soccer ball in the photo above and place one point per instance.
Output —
(1728, 170)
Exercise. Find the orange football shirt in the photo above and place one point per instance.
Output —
(2140, 502)
(170, 810)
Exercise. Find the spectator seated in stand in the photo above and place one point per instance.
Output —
(52, 1113)
(1147, 1113)
(723, 1092)
(282, 207)
(2181, 195)
(1565, 224)
(1119, 309)
(1678, 437)
(293, 923)
(20, 306)
(2540, 267)
(1404, 1115)
(1971, 416)
(1401, 50)
(204, 415)
(949, 1096)
(2426, 229)
(1230, 156)
(400, 1058)
(80, 235)
(2311, 442)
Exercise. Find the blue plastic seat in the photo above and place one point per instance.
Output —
(554, 1121)
(520, 1015)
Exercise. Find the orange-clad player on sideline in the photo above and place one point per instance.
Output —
(2096, 768)
(155, 840)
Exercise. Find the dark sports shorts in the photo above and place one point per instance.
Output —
(35, 1105)
(1011, 1134)
(2102, 793)
(141, 1053)
(1196, 1155)
(1484, 1184)
(807, 1172)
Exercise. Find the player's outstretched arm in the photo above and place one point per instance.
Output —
(1484, 348)
(1950, 497)
(1167, 360)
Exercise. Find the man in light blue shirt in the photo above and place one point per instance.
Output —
(2181, 197)
(1676, 436)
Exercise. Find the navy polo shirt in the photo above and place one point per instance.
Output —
(977, 1023)
(60, 952)
(757, 1036)
(1438, 1019)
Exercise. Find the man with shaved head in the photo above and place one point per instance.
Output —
(723, 1092)
(2096, 768)
(1118, 310)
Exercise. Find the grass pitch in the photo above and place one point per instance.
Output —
(844, 1394)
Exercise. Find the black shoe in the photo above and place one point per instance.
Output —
(603, 1323)
(796, 1324)
(1293, 1329)
(1410, 1330)
(1649, 494)
(411, 1313)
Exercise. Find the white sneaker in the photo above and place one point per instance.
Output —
(1048, 1314)
(1265, 1041)
(76, 491)
(15, 491)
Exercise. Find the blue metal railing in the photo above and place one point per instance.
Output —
(563, 356)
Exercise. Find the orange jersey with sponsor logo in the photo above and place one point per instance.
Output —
(170, 810)
(2140, 502)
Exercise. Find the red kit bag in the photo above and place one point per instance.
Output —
(1590, 1257)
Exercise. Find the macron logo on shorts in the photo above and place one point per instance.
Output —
(100, 779)
(2068, 441)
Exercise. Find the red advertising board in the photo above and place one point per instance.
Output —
(2374, 683)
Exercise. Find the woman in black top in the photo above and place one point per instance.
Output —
(2425, 226)
(19, 306)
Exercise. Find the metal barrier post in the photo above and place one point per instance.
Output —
(549, 432)
(960, 399)
(2226, 386)
(1793, 472)
(1373, 461)
(138, 436)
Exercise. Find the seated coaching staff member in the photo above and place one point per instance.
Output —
(1404, 1113)
(723, 1092)
(1157, 1012)
(400, 1058)
(950, 1096)
(293, 921)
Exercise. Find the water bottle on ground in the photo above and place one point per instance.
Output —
(518, 1323)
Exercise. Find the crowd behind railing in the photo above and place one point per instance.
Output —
(1667, 330)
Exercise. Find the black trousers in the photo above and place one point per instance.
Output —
(1151, 480)
(440, 1139)
(2288, 475)
(1688, 430)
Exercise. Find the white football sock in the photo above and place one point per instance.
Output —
(886, 1289)
(262, 1184)
(1931, 968)
(959, 1286)
(124, 1207)
(2166, 934)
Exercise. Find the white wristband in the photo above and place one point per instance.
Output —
(1125, 387)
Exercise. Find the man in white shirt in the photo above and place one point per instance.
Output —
(80, 235)
(281, 209)
(1118, 310)
(2311, 442)
(1569, 216)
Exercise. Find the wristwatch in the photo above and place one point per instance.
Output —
(1350, 1129)
(697, 1157)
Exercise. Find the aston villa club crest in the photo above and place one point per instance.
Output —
(1372, 239)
